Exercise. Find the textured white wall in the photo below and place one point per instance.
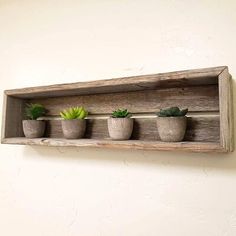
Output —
(91, 192)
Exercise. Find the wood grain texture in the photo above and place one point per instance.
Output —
(196, 98)
(129, 144)
(12, 117)
(172, 79)
(226, 111)
(205, 129)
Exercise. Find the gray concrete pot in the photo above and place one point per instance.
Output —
(120, 128)
(172, 129)
(73, 129)
(33, 128)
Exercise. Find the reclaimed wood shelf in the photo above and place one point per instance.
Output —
(206, 92)
(128, 144)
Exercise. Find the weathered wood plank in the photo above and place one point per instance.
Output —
(196, 98)
(172, 79)
(226, 111)
(4, 107)
(205, 129)
(13, 112)
(129, 144)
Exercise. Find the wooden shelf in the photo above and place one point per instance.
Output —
(128, 144)
(206, 92)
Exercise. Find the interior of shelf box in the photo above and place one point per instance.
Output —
(143, 99)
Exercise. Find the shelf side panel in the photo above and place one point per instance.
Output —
(226, 111)
(13, 114)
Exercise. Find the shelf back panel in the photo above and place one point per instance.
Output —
(195, 98)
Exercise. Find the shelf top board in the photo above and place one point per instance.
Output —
(184, 78)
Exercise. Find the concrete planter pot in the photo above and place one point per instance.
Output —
(73, 129)
(120, 128)
(172, 129)
(33, 128)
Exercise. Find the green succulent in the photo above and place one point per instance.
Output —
(74, 113)
(121, 113)
(34, 111)
(172, 111)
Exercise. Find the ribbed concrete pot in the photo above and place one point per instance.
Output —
(33, 128)
(172, 129)
(73, 129)
(120, 128)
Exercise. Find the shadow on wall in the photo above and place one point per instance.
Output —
(184, 159)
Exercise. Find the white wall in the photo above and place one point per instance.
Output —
(91, 192)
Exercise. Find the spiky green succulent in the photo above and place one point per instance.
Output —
(74, 113)
(172, 111)
(121, 113)
(34, 110)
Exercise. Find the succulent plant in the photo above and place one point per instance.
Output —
(74, 113)
(121, 113)
(172, 111)
(33, 111)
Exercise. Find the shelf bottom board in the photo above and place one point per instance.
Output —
(127, 144)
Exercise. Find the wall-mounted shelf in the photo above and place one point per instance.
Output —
(206, 92)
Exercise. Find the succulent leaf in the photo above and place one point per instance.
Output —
(119, 113)
(172, 112)
(74, 113)
(184, 112)
(33, 111)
